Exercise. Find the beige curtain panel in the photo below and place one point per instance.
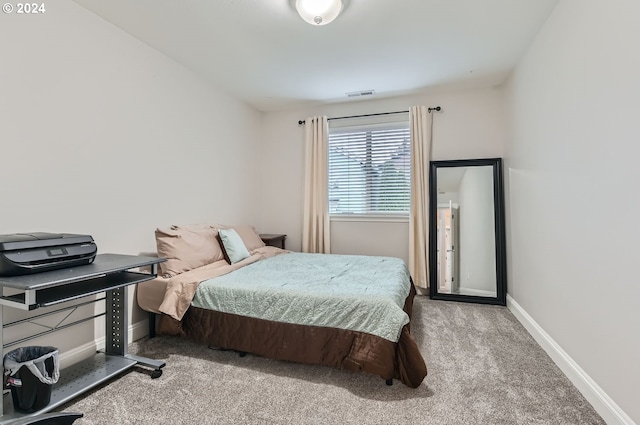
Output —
(421, 136)
(315, 231)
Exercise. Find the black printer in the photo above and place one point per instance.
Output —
(26, 253)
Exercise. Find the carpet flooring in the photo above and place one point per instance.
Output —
(484, 368)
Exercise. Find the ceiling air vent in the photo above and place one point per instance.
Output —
(361, 93)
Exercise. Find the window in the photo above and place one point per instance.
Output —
(370, 169)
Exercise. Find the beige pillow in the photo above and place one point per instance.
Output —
(248, 234)
(187, 248)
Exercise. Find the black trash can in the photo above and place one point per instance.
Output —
(31, 373)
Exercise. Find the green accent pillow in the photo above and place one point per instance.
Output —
(233, 245)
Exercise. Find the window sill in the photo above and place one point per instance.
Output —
(369, 218)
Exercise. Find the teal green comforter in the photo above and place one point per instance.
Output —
(354, 292)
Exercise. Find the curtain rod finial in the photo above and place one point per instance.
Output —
(437, 108)
(300, 122)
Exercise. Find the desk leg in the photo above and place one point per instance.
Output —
(117, 334)
(116, 331)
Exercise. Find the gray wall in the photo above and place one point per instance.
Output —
(572, 206)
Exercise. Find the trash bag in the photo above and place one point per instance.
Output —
(31, 373)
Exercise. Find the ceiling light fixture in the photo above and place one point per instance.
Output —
(319, 12)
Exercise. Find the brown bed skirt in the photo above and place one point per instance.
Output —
(343, 349)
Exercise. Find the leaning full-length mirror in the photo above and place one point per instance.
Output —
(466, 231)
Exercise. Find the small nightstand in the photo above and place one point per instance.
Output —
(276, 240)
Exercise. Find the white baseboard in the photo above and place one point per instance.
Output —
(69, 357)
(601, 402)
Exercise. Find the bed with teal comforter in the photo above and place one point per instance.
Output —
(347, 311)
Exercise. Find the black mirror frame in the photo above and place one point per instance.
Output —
(500, 236)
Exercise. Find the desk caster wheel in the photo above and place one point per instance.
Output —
(156, 373)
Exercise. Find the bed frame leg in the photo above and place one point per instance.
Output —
(389, 382)
(242, 353)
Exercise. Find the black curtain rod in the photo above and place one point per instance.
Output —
(437, 108)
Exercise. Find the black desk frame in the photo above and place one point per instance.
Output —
(109, 274)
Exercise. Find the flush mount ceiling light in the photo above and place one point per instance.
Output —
(318, 12)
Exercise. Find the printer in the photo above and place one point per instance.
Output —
(26, 253)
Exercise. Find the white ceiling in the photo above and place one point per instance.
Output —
(263, 53)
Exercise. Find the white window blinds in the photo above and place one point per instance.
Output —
(370, 169)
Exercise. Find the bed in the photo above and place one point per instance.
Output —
(344, 311)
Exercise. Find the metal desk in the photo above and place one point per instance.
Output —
(109, 274)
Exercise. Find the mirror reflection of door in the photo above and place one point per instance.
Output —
(466, 262)
(447, 244)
